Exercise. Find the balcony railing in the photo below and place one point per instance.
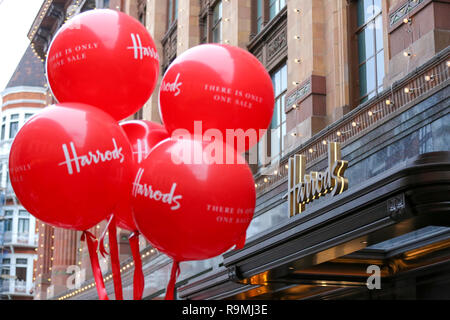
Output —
(23, 239)
(14, 286)
(403, 94)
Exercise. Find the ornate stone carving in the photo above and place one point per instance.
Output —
(396, 206)
(298, 94)
(403, 11)
(278, 43)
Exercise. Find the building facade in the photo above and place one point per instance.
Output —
(363, 79)
(24, 96)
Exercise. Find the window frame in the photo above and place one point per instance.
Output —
(265, 14)
(172, 13)
(366, 25)
(206, 22)
(217, 25)
(267, 139)
(14, 119)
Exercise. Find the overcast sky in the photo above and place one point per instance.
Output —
(16, 17)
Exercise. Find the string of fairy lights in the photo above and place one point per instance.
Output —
(267, 179)
(71, 11)
(106, 278)
(428, 78)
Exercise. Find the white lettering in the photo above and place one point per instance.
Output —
(172, 87)
(139, 51)
(90, 158)
(157, 195)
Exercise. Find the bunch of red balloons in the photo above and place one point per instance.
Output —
(184, 185)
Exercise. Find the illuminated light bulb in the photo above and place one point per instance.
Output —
(407, 90)
(448, 63)
(297, 37)
(311, 150)
(295, 83)
(407, 54)
(407, 20)
(429, 78)
(266, 180)
(293, 134)
(297, 10)
(354, 124)
(338, 133)
(297, 60)
(286, 166)
(370, 113)
(324, 142)
(389, 102)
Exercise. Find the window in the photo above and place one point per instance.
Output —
(24, 213)
(142, 11)
(102, 4)
(7, 226)
(278, 125)
(275, 6)
(24, 225)
(22, 261)
(370, 48)
(28, 116)
(6, 261)
(259, 15)
(172, 12)
(217, 23)
(8, 212)
(21, 273)
(264, 11)
(204, 29)
(211, 22)
(3, 131)
(276, 134)
(13, 125)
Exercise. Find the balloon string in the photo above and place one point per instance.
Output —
(115, 262)
(101, 242)
(173, 279)
(138, 279)
(91, 242)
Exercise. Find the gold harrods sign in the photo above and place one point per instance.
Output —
(305, 188)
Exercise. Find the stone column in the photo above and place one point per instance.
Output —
(236, 22)
(188, 29)
(156, 21)
(305, 99)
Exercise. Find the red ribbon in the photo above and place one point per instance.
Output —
(138, 279)
(91, 242)
(115, 262)
(173, 279)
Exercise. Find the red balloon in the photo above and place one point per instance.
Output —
(106, 59)
(192, 210)
(69, 165)
(222, 86)
(143, 136)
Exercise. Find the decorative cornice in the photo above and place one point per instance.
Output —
(20, 101)
(21, 89)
